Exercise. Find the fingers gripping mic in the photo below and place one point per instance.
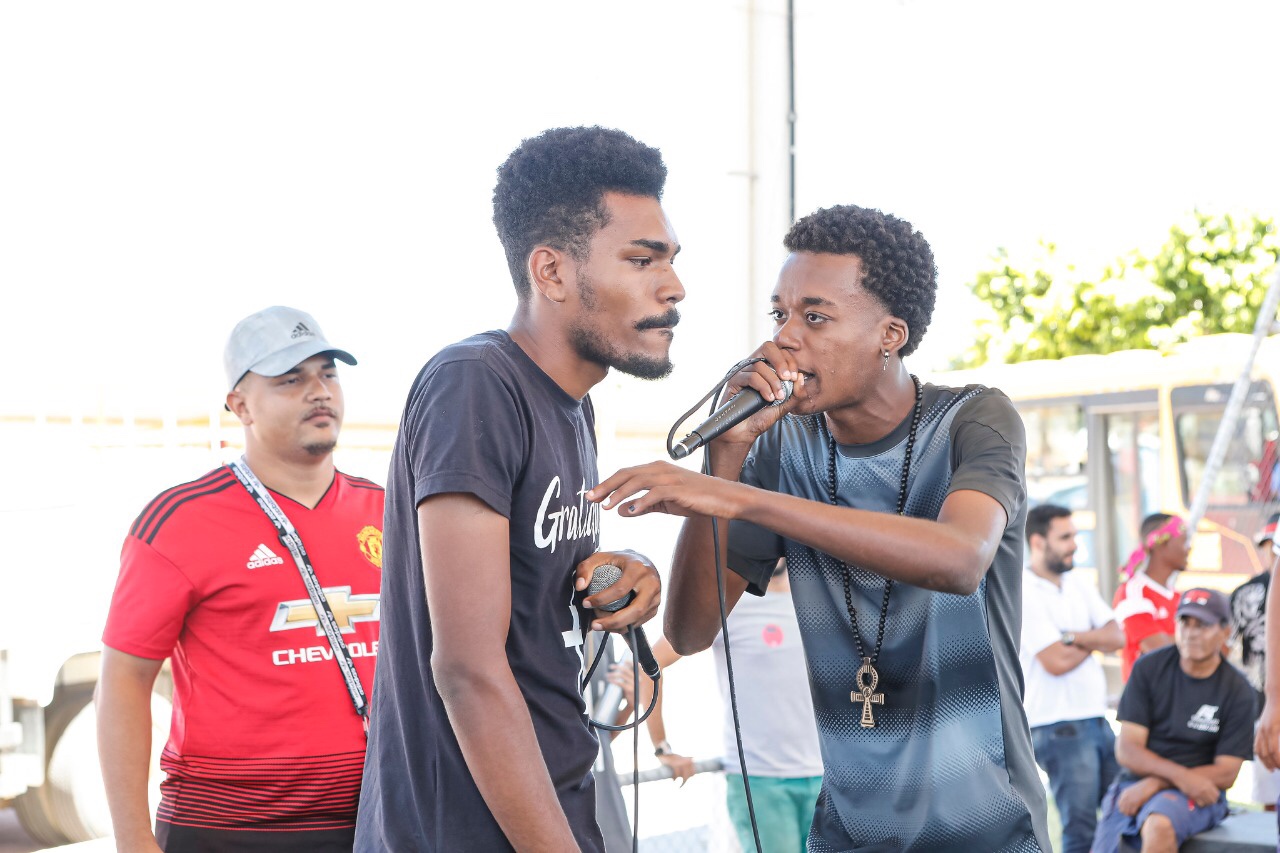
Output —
(605, 576)
(741, 406)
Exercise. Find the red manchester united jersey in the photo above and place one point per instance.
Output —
(1143, 608)
(264, 736)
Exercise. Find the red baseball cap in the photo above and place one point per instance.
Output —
(1268, 530)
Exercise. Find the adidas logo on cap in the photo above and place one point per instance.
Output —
(301, 331)
(263, 556)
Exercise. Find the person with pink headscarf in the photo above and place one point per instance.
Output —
(1145, 603)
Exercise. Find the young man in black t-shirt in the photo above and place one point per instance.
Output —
(1186, 725)
(1249, 640)
(1249, 610)
(479, 736)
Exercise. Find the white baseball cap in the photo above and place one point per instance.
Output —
(274, 341)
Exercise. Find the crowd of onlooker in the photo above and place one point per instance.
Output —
(1186, 714)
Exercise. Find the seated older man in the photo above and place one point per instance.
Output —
(1186, 725)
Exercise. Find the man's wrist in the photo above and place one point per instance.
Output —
(137, 835)
(727, 459)
(662, 748)
(1185, 777)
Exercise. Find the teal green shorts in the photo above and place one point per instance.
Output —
(784, 810)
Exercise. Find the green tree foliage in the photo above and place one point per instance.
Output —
(1210, 276)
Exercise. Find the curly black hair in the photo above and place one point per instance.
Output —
(897, 263)
(550, 191)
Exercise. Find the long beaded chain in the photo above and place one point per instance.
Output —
(867, 677)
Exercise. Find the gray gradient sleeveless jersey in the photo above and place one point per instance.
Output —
(949, 765)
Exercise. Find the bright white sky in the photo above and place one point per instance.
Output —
(168, 167)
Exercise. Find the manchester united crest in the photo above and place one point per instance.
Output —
(370, 540)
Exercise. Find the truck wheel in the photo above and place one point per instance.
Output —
(71, 805)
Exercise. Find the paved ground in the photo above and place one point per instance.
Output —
(12, 838)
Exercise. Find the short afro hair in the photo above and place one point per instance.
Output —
(550, 191)
(897, 263)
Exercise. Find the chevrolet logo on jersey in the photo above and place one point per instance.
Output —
(347, 609)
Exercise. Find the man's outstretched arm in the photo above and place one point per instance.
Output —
(466, 566)
(948, 555)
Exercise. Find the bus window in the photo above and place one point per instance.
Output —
(1057, 456)
(1248, 477)
(1057, 450)
(1133, 439)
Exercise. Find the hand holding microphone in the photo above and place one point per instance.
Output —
(741, 406)
(768, 381)
(637, 580)
(759, 396)
(606, 576)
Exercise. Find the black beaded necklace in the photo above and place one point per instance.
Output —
(867, 677)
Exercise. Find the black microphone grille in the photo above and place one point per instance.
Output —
(602, 577)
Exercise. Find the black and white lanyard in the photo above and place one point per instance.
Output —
(290, 539)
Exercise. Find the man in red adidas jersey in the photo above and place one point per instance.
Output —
(1145, 603)
(267, 745)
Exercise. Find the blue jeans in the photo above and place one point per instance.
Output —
(1080, 758)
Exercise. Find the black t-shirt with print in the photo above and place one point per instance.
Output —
(485, 420)
(1249, 624)
(1190, 721)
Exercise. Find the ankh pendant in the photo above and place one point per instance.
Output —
(867, 678)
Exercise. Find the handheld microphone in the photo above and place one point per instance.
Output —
(605, 576)
(741, 406)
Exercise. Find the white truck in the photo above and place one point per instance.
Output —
(74, 484)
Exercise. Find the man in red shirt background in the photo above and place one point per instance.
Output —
(266, 747)
(1145, 603)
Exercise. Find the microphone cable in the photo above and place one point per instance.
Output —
(634, 726)
(715, 396)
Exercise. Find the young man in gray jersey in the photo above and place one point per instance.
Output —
(899, 507)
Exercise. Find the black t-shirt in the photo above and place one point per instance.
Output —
(1191, 721)
(1249, 623)
(483, 419)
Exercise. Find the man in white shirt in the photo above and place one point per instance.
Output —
(779, 739)
(1064, 621)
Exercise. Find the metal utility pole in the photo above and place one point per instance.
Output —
(770, 168)
(1231, 415)
(791, 109)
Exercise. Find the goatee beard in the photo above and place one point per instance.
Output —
(323, 448)
(592, 346)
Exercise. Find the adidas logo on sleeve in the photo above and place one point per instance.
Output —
(263, 556)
